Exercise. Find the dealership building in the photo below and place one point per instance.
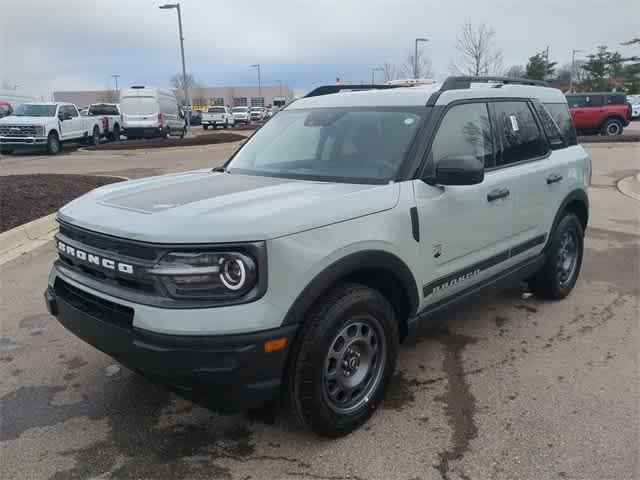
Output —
(201, 97)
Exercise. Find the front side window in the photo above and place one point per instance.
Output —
(365, 145)
(520, 137)
(464, 131)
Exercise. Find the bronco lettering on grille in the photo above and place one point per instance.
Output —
(107, 263)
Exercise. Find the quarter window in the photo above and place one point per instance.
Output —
(464, 131)
(562, 117)
(520, 137)
(551, 129)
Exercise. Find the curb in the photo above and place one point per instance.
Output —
(26, 237)
(630, 186)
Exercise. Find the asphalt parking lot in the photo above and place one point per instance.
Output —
(507, 388)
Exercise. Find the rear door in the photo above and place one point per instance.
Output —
(467, 230)
(525, 157)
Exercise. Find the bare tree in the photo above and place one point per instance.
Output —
(389, 71)
(177, 82)
(516, 71)
(425, 68)
(478, 53)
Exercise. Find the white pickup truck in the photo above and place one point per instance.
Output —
(47, 125)
(215, 116)
(111, 121)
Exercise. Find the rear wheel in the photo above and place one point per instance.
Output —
(115, 136)
(612, 127)
(343, 360)
(53, 143)
(206, 127)
(559, 274)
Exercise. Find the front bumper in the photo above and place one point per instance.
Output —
(21, 141)
(228, 373)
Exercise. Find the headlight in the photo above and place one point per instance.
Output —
(207, 275)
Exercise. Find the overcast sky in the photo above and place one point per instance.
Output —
(78, 44)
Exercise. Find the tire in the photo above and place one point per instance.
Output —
(184, 132)
(53, 144)
(115, 136)
(361, 323)
(226, 124)
(206, 127)
(94, 139)
(612, 127)
(559, 274)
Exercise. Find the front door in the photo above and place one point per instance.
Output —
(465, 231)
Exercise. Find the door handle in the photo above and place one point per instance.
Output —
(497, 194)
(554, 178)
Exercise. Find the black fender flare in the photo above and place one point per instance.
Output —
(575, 195)
(347, 265)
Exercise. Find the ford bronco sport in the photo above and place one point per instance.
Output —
(295, 270)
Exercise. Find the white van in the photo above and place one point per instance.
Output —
(150, 112)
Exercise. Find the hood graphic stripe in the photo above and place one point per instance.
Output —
(163, 197)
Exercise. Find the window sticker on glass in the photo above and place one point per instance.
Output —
(514, 123)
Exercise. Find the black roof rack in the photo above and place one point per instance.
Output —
(328, 89)
(463, 82)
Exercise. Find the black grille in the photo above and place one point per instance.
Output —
(96, 307)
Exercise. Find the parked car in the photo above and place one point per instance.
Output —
(634, 101)
(47, 125)
(257, 114)
(111, 119)
(195, 117)
(241, 115)
(218, 116)
(5, 109)
(150, 112)
(295, 270)
(603, 113)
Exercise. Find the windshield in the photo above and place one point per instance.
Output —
(239, 109)
(28, 110)
(216, 110)
(364, 145)
(139, 106)
(256, 109)
(103, 110)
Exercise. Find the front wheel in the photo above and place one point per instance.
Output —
(343, 360)
(559, 274)
(53, 144)
(612, 127)
(205, 127)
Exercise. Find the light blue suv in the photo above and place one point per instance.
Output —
(294, 271)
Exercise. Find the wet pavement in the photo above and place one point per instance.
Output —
(511, 387)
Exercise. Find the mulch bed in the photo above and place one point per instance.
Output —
(627, 137)
(24, 198)
(142, 144)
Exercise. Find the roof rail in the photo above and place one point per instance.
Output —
(329, 89)
(463, 82)
(457, 83)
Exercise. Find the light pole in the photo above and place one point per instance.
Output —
(415, 57)
(573, 69)
(257, 65)
(373, 71)
(168, 6)
(115, 77)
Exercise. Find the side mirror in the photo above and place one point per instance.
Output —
(466, 170)
(61, 116)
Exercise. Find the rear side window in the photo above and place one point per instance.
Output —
(579, 101)
(464, 131)
(560, 114)
(551, 129)
(520, 138)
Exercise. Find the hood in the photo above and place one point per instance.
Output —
(212, 207)
(14, 120)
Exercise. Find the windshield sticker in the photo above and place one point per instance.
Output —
(514, 123)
